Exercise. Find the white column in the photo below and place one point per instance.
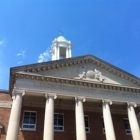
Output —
(58, 52)
(55, 52)
(52, 56)
(80, 123)
(133, 121)
(13, 127)
(109, 129)
(67, 53)
(49, 118)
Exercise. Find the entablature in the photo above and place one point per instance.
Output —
(75, 82)
(66, 63)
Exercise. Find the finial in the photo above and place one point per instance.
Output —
(60, 32)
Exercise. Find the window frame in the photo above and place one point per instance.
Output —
(29, 129)
(127, 133)
(103, 125)
(57, 125)
(88, 124)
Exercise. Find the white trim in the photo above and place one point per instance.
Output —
(126, 130)
(59, 126)
(88, 124)
(29, 129)
(103, 128)
(5, 104)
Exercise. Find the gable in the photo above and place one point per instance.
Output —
(87, 72)
(85, 68)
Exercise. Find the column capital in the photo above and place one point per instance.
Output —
(17, 92)
(80, 98)
(129, 104)
(47, 95)
(106, 101)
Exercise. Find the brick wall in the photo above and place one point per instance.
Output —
(69, 132)
(4, 114)
(32, 135)
(5, 96)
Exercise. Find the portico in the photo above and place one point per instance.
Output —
(67, 94)
(78, 86)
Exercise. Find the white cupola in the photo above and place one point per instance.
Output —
(61, 48)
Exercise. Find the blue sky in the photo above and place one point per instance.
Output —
(108, 29)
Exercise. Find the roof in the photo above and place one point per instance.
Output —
(68, 62)
(61, 38)
(4, 91)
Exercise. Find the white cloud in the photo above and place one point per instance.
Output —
(45, 56)
(20, 62)
(2, 42)
(22, 53)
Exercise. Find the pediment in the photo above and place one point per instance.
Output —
(85, 68)
(87, 72)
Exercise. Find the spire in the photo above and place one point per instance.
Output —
(61, 48)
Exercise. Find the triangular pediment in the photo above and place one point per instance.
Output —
(85, 68)
(87, 72)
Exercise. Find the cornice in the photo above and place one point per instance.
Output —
(108, 68)
(50, 79)
(59, 64)
(4, 91)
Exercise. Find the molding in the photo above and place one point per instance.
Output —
(76, 82)
(129, 104)
(17, 92)
(77, 91)
(50, 95)
(87, 60)
(45, 66)
(5, 104)
(4, 91)
(107, 102)
(77, 98)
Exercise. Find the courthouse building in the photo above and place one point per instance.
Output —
(70, 98)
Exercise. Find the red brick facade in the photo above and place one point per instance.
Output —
(69, 132)
(4, 114)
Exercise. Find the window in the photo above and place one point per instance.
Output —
(127, 126)
(58, 122)
(103, 126)
(138, 118)
(87, 124)
(29, 120)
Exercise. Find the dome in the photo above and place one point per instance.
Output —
(61, 38)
